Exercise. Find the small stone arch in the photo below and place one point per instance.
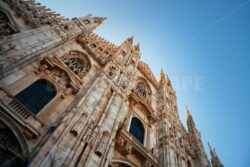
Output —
(14, 150)
(123, 162)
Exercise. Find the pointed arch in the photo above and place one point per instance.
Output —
(122, 161)
(14, 150)
(37, 95)
(78, 62)
(137, 129)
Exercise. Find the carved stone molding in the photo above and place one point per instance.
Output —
(64, 76)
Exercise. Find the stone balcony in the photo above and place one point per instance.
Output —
(12, 107)
(126, 144)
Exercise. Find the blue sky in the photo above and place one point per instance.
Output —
(203, 45)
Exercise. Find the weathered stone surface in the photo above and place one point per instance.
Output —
(107, 110)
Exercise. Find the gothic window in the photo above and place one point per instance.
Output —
(137, 129)
(141, 89)
(11, 153)
(37, 95)
(79, 65)
(76, 65)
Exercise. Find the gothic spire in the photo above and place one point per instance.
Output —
(214, 158)
(190, 121)
(188, 115)
(130, 40)
(162, 78)
(99, 20)
(137, 47)
(91, 22)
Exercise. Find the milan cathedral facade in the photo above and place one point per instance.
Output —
(68, 97)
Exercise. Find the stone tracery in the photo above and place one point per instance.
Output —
(77, 62)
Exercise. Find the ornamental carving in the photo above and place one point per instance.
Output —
(34, 14)
(145, 70)
(141, 90)
(66, 76)
(90, 134)
(102, 143)
(77, 62)
(78, 127)
(101, 50)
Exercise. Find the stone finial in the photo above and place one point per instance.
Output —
(137, 47)
(162, 77)
(188, 115)
(130, 40)
(210, 148)
(214, 158)
(99, 20)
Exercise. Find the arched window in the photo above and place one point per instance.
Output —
(141, 90)
(137, 129)
(77, 63)
(37, 95)
(13, 147)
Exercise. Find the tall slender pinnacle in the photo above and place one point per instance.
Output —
(214, 158)
(128, 41)
(190, 121)
(210, 148)
(188, 115)
(137, 47)
(162, 76)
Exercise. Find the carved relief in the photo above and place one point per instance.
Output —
(77, 62)
(34, 14)
(68, 71)
(78, 127)
(99, 48)
(144, 68)
(90, 134)
(102, 143)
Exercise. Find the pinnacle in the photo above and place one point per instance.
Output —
(209, 146)
(137, 47)
(162, 77)
(99, 20)
(130, 39)
(188, 115)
